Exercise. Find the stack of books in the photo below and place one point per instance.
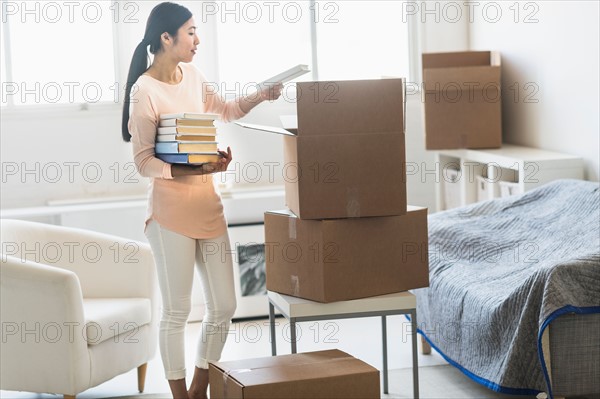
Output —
(188, 138)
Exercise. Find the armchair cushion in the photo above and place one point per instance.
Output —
(107, 318)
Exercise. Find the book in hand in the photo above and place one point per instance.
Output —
(285, 76)
(203, 130)
(174, 147)
(190, 158)
(185, 137)
(194, 125)
(190, 115)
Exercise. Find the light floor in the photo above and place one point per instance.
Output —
(248, 339)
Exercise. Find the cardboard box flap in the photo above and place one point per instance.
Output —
(270, 129)
(458, 59)
(353, 106)
(460, 78)
(283, 212)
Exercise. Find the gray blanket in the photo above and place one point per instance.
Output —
(501, 270)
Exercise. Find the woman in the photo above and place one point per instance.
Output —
(185, 221)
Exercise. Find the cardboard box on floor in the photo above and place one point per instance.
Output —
(463, 107)
(346, 156)
(343, 259)
(323, 375)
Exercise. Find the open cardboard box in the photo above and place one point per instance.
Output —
(313, 375)
(346, 156)
(463, 107)
(343, 259)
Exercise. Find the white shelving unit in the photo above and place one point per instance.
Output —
(468, 176)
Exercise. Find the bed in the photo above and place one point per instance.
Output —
(514, 295)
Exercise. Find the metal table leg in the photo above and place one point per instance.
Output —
(413, 319)
(272, 329)
(385, 358)
(293, 333)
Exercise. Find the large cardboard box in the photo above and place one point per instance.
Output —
(342, 259)
(463, 107)
(347, 156)
(324, 375)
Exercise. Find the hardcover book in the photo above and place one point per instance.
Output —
(188, 130)
(285, 76)
(174, 147)
(186, 122)
(192, 159)
(190, 115)
(185, 137)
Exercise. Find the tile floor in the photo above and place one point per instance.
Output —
(359, 337)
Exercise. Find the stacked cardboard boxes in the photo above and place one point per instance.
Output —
(462, 100)
(348, 233)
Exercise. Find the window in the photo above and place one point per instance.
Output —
(257, 40)
(59, 53)
(339, 39)
(361, 40)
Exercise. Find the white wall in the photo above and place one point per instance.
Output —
(558, 57)
(562, 62)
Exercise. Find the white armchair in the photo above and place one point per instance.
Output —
(77, 308)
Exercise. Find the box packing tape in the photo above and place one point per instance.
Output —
(292, 228)
(352, 203)
(295, 285)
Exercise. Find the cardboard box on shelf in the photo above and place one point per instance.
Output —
(346, 155)
(342, 259)
(462, 100)
(312, 375)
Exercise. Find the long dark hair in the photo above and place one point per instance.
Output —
(165, 17)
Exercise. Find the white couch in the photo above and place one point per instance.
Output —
(77, 308)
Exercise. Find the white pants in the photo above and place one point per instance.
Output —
(175, 256)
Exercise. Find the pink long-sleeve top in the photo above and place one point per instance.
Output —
(188, 205)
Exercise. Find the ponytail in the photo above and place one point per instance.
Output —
(165, 17)
(139, 65)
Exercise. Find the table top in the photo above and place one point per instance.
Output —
(298, 307)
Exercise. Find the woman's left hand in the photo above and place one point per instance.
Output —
(271, 93)
(219, 166)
